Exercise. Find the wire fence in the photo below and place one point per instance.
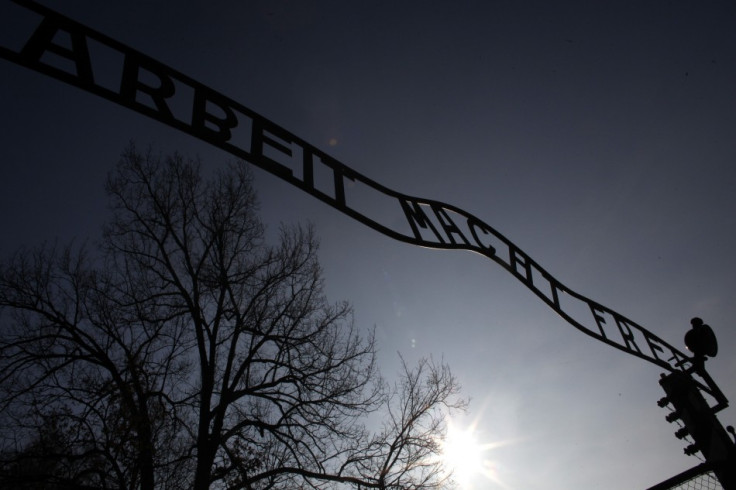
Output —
(698, 478)
(706, 481)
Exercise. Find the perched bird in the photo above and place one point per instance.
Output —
(700, 339)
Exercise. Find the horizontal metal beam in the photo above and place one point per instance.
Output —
(151, 88)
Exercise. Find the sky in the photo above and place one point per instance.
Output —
(600, 137)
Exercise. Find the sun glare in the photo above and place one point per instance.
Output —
(464, 456)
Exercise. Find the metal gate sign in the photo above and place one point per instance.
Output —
(151, 88)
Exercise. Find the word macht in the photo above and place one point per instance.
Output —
(73, 53)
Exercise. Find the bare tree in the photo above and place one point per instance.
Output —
(72, 353)
(405, 452)
(191, 353)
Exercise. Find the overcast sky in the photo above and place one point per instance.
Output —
(600, 137)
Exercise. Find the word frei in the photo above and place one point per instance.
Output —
(71, 52)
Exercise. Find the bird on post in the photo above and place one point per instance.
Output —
(700, 339)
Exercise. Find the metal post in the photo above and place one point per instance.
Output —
(700, 423)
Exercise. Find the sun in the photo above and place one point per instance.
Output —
(462, 454)
(465, 456)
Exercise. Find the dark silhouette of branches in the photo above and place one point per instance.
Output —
(405, 452)
(187, 352)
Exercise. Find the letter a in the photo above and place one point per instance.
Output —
(41, 42)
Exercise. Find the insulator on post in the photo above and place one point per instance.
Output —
(682, 433)
(663, 402)
(697, 420)
(672, 416)
(690, 450)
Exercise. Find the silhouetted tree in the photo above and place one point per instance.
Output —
(189, 352)
(77, 350)
(410, 439)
